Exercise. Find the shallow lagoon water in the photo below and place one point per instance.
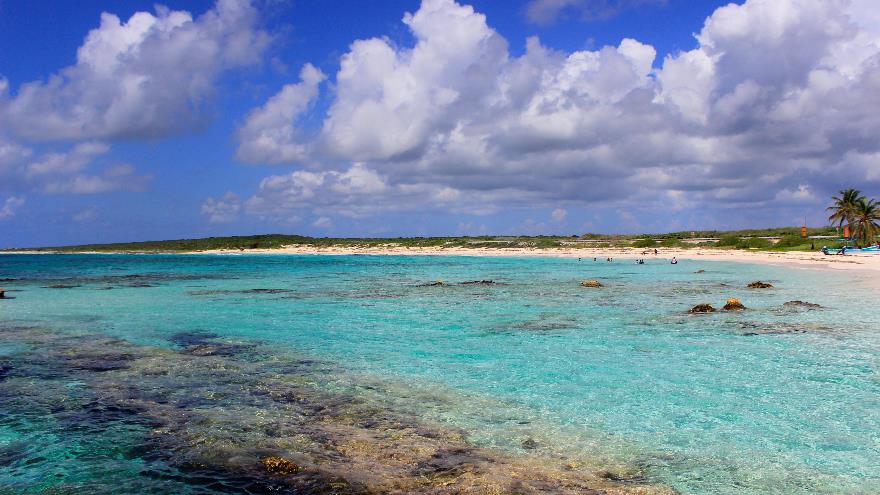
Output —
(775, 399)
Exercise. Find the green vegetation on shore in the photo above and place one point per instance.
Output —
(784, 238)
(860, 214)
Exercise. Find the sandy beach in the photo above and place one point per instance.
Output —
(866, 266)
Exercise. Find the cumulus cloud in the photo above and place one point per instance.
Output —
(354, 193)
(222, 210)
(776, 96)
(72, 172)
(149, 76)
(269, 134)
(11, 206)
(66, 163)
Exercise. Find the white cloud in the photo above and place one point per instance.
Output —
(87, 215)
(68, 172)
(559, 214)
(149, 76)
(269, 135)
(11, 206)
(355, 193)
(66, 163)
(223, 210)
(323, 223)
(776, 95)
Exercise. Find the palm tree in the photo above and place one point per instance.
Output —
(866, 218)
(844, 207)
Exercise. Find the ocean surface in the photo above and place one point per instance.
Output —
(178, 373)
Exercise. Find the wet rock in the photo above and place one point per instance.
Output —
(802, 304)
(436, 283)
(700, 271)
(5, 370)
(702, 308)
(280, 465)
(101, 362)
(759, 328)
(217, 349)
(479, 282)
(447, 464)
(619, 477)
(733, 304)
(759, 285)
(204, 344)
(529, 444)
(61, 286)
(192, 338)
(591, 283)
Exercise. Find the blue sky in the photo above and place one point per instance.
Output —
(354, 118)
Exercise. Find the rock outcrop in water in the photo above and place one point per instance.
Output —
(436, 283)
(702, 308)
(733, 304)
(759, 285)
(479, 282)
(802, 304)
(591, 283)
(280, 465)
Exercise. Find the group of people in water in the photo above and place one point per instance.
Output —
(639, 261)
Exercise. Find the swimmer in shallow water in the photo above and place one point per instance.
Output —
(674, 261)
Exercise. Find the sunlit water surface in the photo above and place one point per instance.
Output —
(775, 399)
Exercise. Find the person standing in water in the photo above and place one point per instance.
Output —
(674, 261)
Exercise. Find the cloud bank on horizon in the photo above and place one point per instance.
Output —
(774, 107)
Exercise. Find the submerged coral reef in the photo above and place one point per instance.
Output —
(212, 416)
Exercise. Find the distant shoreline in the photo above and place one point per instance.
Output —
(867, 265)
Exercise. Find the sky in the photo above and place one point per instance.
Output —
(130, 120)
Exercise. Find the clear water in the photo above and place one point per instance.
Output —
(774, 399)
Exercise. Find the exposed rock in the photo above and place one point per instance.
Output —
(620, 477)
(591, 283)
(759, 285)
(479, 282)
(529, 444)
(733, 304)
(280, 465)
(802, 304)
(702, 308)
(700, 271)
(436, 283)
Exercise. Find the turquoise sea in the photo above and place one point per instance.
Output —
(178, 373)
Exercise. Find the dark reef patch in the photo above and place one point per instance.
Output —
(222, 292)
(224, 423)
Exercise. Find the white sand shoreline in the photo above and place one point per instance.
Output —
(865, 264)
